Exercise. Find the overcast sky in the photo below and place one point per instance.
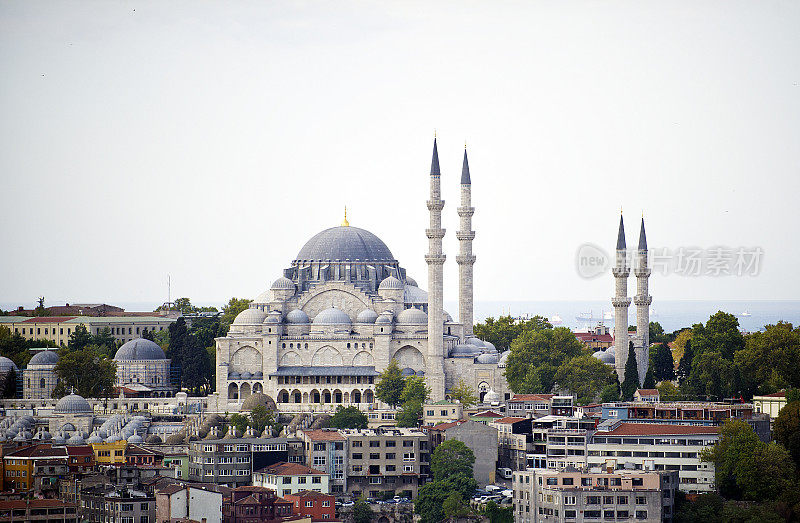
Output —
(210, 140)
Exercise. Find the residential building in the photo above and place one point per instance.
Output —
(538, 405)
(196, 501)
(770, 404)
(479, 437)
(655, 446)
(50, 510)
(102, 503)
(597, 338)
(289, 478)
(110, 453)
(560, 441)
(441, 412)
(138, 456)
(250, 504)
(231, 462)
(514, 441)
(325, 449)
(593, 495)
(316, 505)
(647, 396)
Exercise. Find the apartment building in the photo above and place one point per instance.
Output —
(593, 495)
(326, 450)
(441, 412)
(104, 503)
(538, 405)
(290, 478)
(231, 462)
(659, 447)
(479, 437)
(50, 510)
(514, 441)
(559, 441)
(386, 462)
(198, 502)
(317, 506)
(250, 504)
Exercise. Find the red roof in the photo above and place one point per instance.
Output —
(531, 397)
(49, 319)
(648, 392)
(781, 394)
(323, 435)
(282, 468)
(487, 414)
(509, 420)
(590, 336)
(445, 426)
(82, 450)
(658, 429)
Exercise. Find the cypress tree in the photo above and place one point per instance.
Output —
(649, 379)
(631, 382)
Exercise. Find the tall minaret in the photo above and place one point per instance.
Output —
(434, 373)
(465, 258)
(621, 302)
(642, 300)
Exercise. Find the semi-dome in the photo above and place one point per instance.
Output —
(282, 283)
(367, 316)
(74, 404)
(345, 243)
(412, 316)
(332, 316)
(250, 317)
(297, 316)
(139, 349)
(391, 283)
(7, 365)
(45, 357)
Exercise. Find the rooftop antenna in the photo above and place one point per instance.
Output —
(169, 289)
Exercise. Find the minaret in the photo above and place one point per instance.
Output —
(465, 258)
(642, 300)
(434, 372)
(621, 302)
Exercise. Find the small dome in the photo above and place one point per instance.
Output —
(282, 283)
(447, 317)
(490, 346)
(391, 284)
(258, 399)
(488, 358)
(412, 316)
(262, 299)
(234, 376)
(94, 438)
(258, 374)
(135, 439)
(491, 397)
(411, 281)
(297, 316)
(45, 357)
(273, 317)
(59, 439)
(332, 316)
(250, 316)
(385, 317)
(464, 350)
(76, 440)
(74, 404)
(503, 359)
(607, 356)
(247, 375)
(367, 316)
(475, 341)
(139, 349)
(7, 365)
(153, 439)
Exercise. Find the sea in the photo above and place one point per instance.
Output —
(753, 315)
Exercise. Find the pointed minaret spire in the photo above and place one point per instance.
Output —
(465, 169)
(621, 302)
(642, 237)
(621, 234)
(435, 160)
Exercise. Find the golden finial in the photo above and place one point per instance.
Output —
(434, 134)
(620, 209)
(465, 144)
(345, 223)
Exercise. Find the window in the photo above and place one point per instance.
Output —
(586, 482)
(608, 514)
(357, 444)
(316, 479)
(309, 504)
(570, 514)
(641, 514)
(208, 448)
(287, 480)
(301, 480)
(374, 444)
(569, 500)
(608, 500)
(591, 514)
(622, 514)
(552, 481)
(430, 413)
(358, 455)
(641, 500)
(409, 456)
(374, 455)
(144, 506)
(358, 468)
(408, 468)
(593, 500)
(326, 503)
(391, 455)
(390, 468)
(408, 443)
(567, 481)
(319, 461)
(319, 447)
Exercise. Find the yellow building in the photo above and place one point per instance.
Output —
(110, 453)
(770, 403)
(60, 328)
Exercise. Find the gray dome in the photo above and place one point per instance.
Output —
(7, 365)
(45, 357)
(76, 440)
(297, 316)
(74, 404)
(135, 439)
(273, 317)
(447, 317)
(607, 356)
(139, 349)
(250, 317)
(332, 316)
(491, 397)
(58, 439)
(385, 317)
(282, 283)
(367, 316)
(490, 346)
(412, 316)
(504, 358)
(464, 350)
(346, 244)
(475, 341)
(489, 358)
(391, 283)
(264, 297)
(247, 375)
(411, 281)
(94, 438)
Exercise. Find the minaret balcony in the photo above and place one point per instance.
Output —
(467, 259)
(435, 259)
(435, 233)
(435, 205)
(465, 235)
(465, 211)
(621, 272)
(642, 300)
(621, 302)
(642, 272)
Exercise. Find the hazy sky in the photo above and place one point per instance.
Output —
(210, 140)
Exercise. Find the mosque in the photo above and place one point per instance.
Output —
(345, 307)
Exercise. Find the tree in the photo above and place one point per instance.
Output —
(390, 384)
(184, 305)
(535, 358)
(463, 394)
(261, 418)
(40, 309)
(712, 376)
(362, 513)
(415, 390)
(663, 364)
(685, 364)
(787, 430)
(656, 333)
(450, 459)
(720, 333)
(505, 329)
(196, 370)
(682, 337)
(454, 506)
(240, 422)
(104, 339)
(231, 310)
(668, 392)
(88, 371)
(611, 392)
(410, 414)
(79, 338)
(497, 514)
(631, 382)
(431, 496)
(8, 384)
(649, 379)
(348, 418)
(707, 508)
(584, 376)
(769, 360)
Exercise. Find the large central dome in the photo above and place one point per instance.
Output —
(345, 243)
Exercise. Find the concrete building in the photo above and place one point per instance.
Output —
(231, 462)
(559, 442)
(50, 510)
(326, 450)
(441, 412)
(479, 437)
(290, 478)
(106, 503)
(538, 405)
(195, 501)
(59, 328)
(514, 442)
(345, 308)
(593, 495)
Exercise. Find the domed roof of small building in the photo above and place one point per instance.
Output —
(59, 439)
(345, 243)
(464, 350)
(475, 341)
(77, 439)
(263, 298)
(139, 349)
(273, 317)
(251, 316)
(503, 358)
(258, 399)
(491, 397)
(488, 358)
(332, 316)
(411, 281)
(489, 346)
(385, 317)
(135, 439)
(607, 356)
(45, 357)
(391, 283)
(297, 316)
(7, 365)
(94, 438)
(282, 283)
(153, 439)
(412, 316)
(74, 404)
(367, 316)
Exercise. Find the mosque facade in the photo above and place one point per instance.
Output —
(345, 308)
